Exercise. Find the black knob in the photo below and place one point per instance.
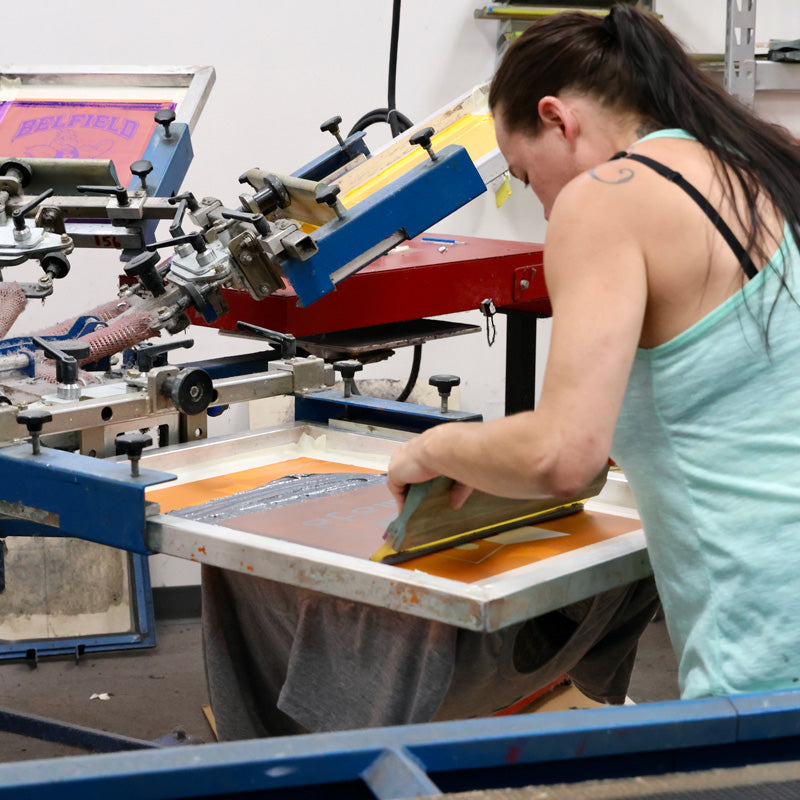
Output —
(141, 169)
(285, 340)
(56, 265)
(445, 384)
(66, 353)
(165, 117)
(191, 390)
(34, 420)
(191, 200)
(15, 168)
(75, 348)
(326, 193)
(18, 217)
(273, 195)
(147, 355)
(120, 192)
(132, 444)
(195, 239)
(332, 126)
(186, 201)
(423, 139)
(258, 221)
(145, 267)
(348, 370)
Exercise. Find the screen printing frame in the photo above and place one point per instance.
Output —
(485, 605)
(196, 81)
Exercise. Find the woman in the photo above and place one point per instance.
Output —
(671, 261)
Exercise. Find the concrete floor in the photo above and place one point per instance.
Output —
(154, 692)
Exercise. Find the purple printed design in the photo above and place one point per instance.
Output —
(119, 131)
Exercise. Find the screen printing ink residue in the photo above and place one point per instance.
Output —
(275, 494)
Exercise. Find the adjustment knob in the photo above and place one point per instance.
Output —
(15, 168)
(165, 117)
(75, 348)
(66, 353)
(285, 341)
(423, 139)
(326, 193)
(258, 221)
(34, 419)
(132, 444)
(191, 390)
(18, 216)
(56, 265)
(445, 384)
(152, 355)
(119, 191)
(143, 267)
(141, 169)
(348, 369)
(332, 126)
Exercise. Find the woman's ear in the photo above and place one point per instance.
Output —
(557, 115)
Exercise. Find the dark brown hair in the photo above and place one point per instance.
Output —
(630, 62)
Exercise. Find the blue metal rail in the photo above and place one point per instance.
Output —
(425, 760)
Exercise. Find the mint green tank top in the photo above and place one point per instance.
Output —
(709, 440)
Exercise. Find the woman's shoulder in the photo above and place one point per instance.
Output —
(612, 193)
(625, 191)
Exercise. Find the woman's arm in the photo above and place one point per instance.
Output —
(596, 279)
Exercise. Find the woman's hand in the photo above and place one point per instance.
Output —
(409, 464)
(406, 467)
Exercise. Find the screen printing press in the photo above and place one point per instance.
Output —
(105, 443)
(99, 386)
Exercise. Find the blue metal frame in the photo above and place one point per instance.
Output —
(142, 632)
(95, 499)
(49, 730)
(424, 760)
(170, 158)
(330, 404)
(410, 204)
(331, 160)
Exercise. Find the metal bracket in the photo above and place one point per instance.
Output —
(740, 44)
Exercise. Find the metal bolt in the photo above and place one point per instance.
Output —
(524, 284)
(263, 289)
(245, 258)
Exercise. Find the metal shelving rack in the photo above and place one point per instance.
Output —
(514, 17)
(744, 74)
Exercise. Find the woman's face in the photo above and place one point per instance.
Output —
(542, 161)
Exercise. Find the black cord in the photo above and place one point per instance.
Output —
(414, 374)
(391, 101)
(397, 122)
(381, 115)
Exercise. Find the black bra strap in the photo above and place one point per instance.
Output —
(741, 254)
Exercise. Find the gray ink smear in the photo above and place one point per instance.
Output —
(282, 492)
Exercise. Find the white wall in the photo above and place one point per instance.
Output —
(284, 67)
